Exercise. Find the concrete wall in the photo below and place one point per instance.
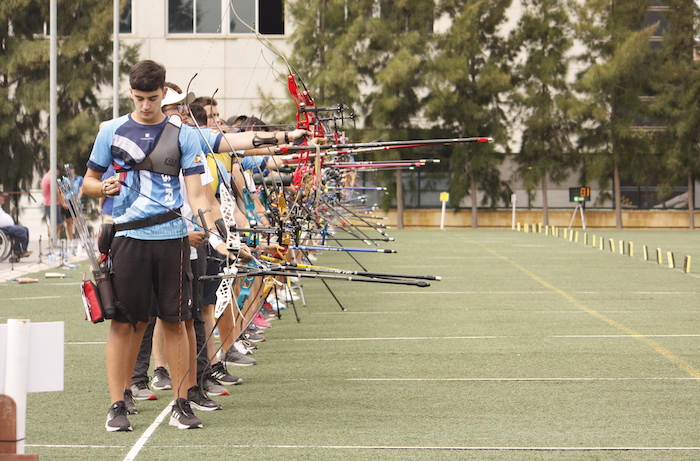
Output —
(631, 219)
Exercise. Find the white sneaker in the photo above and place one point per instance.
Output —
(276, 305)
(287, 296)
(241, 348)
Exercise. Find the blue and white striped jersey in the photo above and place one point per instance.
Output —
(122, 142)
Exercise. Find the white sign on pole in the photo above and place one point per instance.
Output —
(45, 363)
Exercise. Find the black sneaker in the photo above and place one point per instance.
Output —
(219, 373)
(129, 402)
(161, 379)
(183, 417)
(200, 401)
(116, 418)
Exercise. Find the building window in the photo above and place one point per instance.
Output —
(194, 16)
(265, 16)
(125, 22)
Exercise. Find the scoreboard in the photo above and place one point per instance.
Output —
(579, 194)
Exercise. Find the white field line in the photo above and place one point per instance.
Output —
(33, 297)
(380, 447)
(411, 338)
(519, 379)
(147, 434)
(431, 292)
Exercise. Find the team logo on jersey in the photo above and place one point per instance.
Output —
(198, 158)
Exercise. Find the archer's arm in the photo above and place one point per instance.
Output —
(247, 140)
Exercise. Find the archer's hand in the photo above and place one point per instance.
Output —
(197, 238)
(296, 134)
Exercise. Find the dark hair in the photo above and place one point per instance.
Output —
(231, 121)
(254, 124)
(199, 114)
(172, 86)
(205, 101)
(147, 76)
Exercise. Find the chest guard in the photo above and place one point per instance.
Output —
(165, 156)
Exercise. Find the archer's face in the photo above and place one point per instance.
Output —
(147, 106)
(212, 116)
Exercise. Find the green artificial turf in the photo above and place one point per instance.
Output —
(531, 347)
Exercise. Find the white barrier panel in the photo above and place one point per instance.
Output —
(31, 360)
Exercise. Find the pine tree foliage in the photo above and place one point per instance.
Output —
(542, 98)
(470, 78)
(468, 81)
(613, 86)
(84, 67)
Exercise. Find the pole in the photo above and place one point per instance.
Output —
(444, 198)
(53, 103)
(17, 372)
(513, 200)
(115, 61)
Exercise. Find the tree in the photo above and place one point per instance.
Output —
(84, 68)
(467, 81)
(616, 77)
(677, 104)
(543, 99)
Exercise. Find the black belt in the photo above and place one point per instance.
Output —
(150, 221)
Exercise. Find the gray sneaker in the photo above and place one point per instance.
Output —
(129, 402)
(161, 379)
(219, 373)
(234, 358)
(141, 391)
(212, 387)
(199, 400)
(183, 417)
(117, 419)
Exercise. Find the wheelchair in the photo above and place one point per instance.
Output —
(5, 246)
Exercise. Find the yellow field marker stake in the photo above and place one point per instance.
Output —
(571, 236)
(576, 237)
(593, 240)
(565, 233)
(645, 250)
(686, 265)
(518, 227)
(546, 230)
(601, 244)
(630, 249)
(585, 238)
(671, 260)
(659, 256)
(622, 247)
(612, 245)
(539, 228)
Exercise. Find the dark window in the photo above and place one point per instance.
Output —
(269, 18)
(194, 16)
(125, 22)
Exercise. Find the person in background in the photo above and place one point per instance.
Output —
(75, 186)
(19, 234)
(46, 190)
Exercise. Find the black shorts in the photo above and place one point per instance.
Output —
(152, 277)
(196, 290)
(65, 212)
(209, 288)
